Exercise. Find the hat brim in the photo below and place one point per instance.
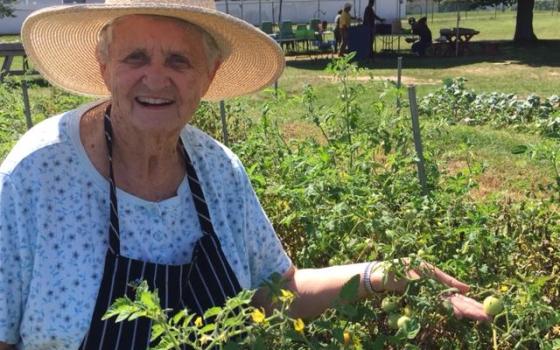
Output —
(61, 41)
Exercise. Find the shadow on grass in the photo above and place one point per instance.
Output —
(542, 53)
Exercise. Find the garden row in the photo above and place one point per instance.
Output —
(352, 195)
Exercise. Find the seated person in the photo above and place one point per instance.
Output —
(421, 29)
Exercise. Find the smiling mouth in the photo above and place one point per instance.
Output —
(154, 102)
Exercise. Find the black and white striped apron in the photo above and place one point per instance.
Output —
(203, 283)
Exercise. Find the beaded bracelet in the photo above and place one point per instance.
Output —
(367, 276)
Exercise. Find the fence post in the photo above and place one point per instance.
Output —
(25, 95)
(399, 69)
(26, 108)
(417, 139)
(224, 123)
(457, 32)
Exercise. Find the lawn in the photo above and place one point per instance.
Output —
(494, 26)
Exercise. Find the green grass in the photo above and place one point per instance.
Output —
(519, 70)
(9, 38)
(505, 173)
(500, 27)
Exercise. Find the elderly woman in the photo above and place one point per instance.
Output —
(123, 189)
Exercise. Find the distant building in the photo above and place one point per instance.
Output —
(301, 11)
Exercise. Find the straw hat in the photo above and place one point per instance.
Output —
(60, 41)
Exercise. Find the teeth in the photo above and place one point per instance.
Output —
(154, 101)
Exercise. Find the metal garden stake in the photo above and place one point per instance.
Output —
(399, 71)
(417, 138)
(224, 124)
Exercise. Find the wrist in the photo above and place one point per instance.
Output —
(372, 278)
(376, 280)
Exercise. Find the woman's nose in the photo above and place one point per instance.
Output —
(155, 77)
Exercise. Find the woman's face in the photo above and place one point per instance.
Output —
(157, 72)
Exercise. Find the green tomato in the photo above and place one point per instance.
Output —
(407, 311)
(392, 321)
(493, 305)
(403, 321)
(389, 304)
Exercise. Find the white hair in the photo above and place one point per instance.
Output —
(213, 53)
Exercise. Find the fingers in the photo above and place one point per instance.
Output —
(465, 307)
(444, 278)
(429, 270)
(457, 312)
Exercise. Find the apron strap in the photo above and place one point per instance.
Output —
(114, 231)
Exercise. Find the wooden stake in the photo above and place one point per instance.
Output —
(25, 95)
(224, 123)
(26, 108)
(399, 69)
(417, 139)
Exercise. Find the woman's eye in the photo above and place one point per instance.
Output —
(178, 61)
(136, 58)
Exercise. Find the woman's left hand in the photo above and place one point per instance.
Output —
(463, 306)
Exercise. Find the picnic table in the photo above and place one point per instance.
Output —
(457, 39)
(9, 51)
(304, 44)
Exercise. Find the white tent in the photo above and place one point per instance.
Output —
(301, 11)
(253, 11)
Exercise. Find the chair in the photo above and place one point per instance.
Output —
(301, 31)
(286, 31)
(315, 24)
(267, 27)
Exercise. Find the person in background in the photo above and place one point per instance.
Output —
(369, 21)
(345, 19)
(336, 30)
(421, 29)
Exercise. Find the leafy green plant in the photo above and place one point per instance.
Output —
(457, 104)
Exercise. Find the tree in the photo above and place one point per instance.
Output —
(524, 22)
(6, 9)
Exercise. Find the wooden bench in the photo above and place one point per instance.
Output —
(9, 51)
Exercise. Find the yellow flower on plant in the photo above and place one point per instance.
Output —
(504, 288)
(286, 296)
(299, 325)
(556, 329)
(347, 338)
(205, 338)
(198, 322)
(258, 316)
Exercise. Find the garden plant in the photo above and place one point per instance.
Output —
(350, 193)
